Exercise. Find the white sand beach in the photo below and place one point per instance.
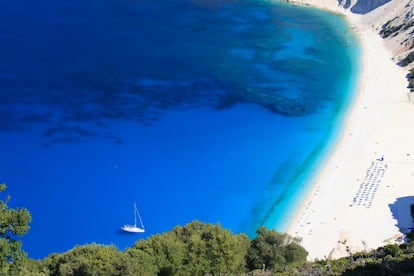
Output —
(357, 201)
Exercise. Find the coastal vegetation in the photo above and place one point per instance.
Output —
(14, 223)
(194, 249)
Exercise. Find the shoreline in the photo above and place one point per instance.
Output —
(356, 201)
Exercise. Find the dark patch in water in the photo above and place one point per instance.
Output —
(143, 101)
(83, 71)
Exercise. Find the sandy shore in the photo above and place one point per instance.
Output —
(358, 202)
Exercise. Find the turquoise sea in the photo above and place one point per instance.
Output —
(219, 111)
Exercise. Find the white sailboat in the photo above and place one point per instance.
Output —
(134, 228)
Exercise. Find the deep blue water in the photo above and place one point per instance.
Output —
(211, 110)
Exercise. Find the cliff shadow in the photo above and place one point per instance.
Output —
(345, 3)
(401, 211)
(363, 7)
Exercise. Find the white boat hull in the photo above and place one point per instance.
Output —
(132, 229)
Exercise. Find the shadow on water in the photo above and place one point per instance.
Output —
(401, 211)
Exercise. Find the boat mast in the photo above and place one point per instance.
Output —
(139, 216)
(135, 214)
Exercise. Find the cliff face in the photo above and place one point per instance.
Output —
(393, 20)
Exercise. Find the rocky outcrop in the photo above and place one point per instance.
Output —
(395, 23)
(393, 20)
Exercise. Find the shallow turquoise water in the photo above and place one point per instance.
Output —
(210, 110)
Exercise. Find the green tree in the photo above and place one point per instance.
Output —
(140, 263)
(14, 223)
(88, 260)
(295, 254)
(197, 249)
(212, 249)
(392, 249)
(167, 251)
(274, 251)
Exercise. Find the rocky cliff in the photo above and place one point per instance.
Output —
(393, 20)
